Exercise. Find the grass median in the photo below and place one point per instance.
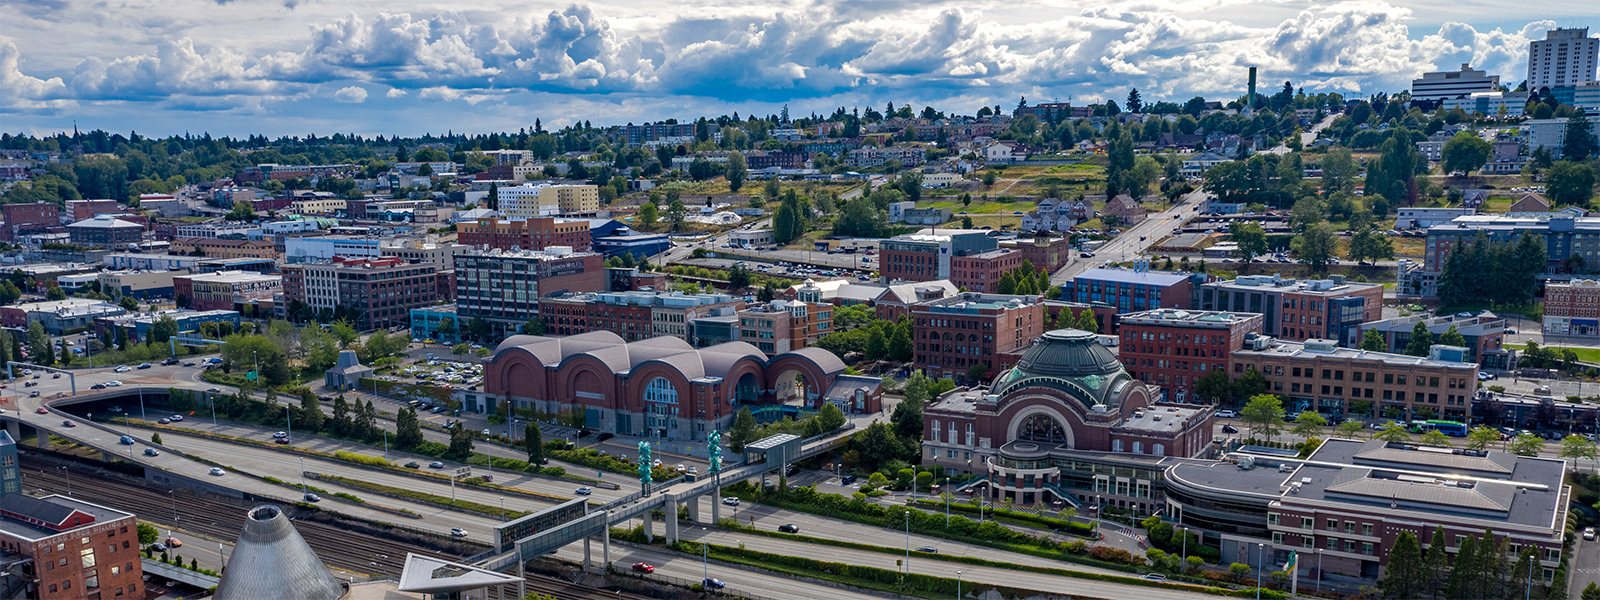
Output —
(406, 494)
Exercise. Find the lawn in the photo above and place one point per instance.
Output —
(1590, 355)
(996, 222)
(982, 208)
(1409, 246)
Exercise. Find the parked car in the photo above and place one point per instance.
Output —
(1588, 534)
(1227, 414)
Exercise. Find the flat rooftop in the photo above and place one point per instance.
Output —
(1313, 348)
(30, 531)
(1158, 278)
(1175, 316)
(1161, 418)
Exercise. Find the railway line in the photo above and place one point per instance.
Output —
(221, 520)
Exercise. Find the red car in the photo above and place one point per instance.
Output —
(643, 567)
(42, 410)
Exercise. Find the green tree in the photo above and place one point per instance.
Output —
(1373, 341)
(830, 418)
(39, 346)
(1404, 576)
(1264, 415)
(1338, 170)
(1315, 246)
(1480, 438)
(256, 352)
(1368, 245)
(1435, 564)
(1309, 425)
(907, 419)
(901, 347)
(1350, 429)
(1087, 321)
(148, 534)
(877, 344)
(534, 326)
(1464, 153)
(1395, 432)
(407, 428)
(1453, 338)
(1579, 142)
(533, 442)
(1421, 340)
(743, 430)
(1570, 183)
(1465, 570)
(460, 442)
(1577, 447)
(1434, 437)
(1250, 237)
(55, 293)
(492, 200)
(648, 214)
(737, 171)
(1526, 444)
(1213, 387)
(1592, 592)
(311, 417)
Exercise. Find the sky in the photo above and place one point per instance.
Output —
(408, 67)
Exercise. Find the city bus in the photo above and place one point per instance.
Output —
(1450, 428)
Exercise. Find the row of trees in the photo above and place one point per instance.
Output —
(1492, 272)
(1484, 567)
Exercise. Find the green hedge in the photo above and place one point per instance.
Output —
(422, 496)
(1027, 518)
(592, 458)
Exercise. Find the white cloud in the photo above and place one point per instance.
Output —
(351, 95)
(821, 54)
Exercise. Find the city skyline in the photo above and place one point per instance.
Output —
(291, 67)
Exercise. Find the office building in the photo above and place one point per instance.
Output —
(57, 316)
(1134, 290)
(375, 292)
(535, 233)
(138, 284)
(428, 249)
(970, 337)
(633, 315)
(1565, 57)
(544, 200)
(1562, 234)
(1551, 134)
(1453, 84)
(981, 272)
(89, 209)
(127, 261)
(30, 218)
(1299, 309)
(781, 325)
(220, 248)
(1319, 375)
(1172, 348)
(106, 231)
(219, 229)
(224, 290)
(136, 326)
(439, 323)
(504, 287)
(320, 248)
(1572, 308)
(1483, 332)
(926, 255)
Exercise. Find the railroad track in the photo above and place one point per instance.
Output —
(220, 520)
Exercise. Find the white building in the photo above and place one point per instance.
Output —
(1411, 218)
(282, 227)
(1565, 57)
(1552, 133)
(1197, 166)
(1587, 97)
(218, 229)
(307, 249)
(939, 180)
(1489, 103)
(1451, 84)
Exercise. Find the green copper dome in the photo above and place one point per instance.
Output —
(1072, 361)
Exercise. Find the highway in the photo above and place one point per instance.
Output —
(682, 250)
(1127, 246)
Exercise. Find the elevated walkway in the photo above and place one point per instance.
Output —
(197, 579)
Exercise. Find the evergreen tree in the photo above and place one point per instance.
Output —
(311, 417)
(493, 199)
(743, 430)
(533, 442)
(1435, 565)
(901, 347)
(407, 428)
(1372, 341)
(1404, 576)
(341, 416)
(1421, 340)
(1579, 139)
(1087, 322)
(1453, 338)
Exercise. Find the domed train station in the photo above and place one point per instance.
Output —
(1066, 425)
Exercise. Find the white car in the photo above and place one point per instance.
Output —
(1227, 414)
(217, 471)
(123, 369)
(113, 383)
(176, 418)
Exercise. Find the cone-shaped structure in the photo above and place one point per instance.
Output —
(272, 561)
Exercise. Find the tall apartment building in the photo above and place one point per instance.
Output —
(1133, 290)
(953, 335)
(1572, 308)
(1299, 309)
(1453, 84)
(504, 287)
(632, 315)
(1565, 57)
(1551, 134)
(1172, 348)
(318, 248)
(377, 292)
(221, 290)
(1563, 236)
(535, 233)
(1319, 375)
(544, 200)
(926, 255)
(24, 219)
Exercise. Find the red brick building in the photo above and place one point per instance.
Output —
(572, 315)
(24, 219)
(221, 290)
(526, 234)
(1049, 253)
(1572, 308)
(89, 209)
(1299, 309)
(981, 272)
(1172, 349)
(954, 334)
(77, 549)
(504, 287)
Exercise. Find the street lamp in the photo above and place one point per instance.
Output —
(1260, 550)
(1319, 570)
(67, 473)
(958, 584)
(908, 541)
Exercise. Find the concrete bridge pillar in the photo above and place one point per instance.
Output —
(649, 526)
(716, 504)
(671, 510)
(42, 437)
(14, 428)
(694, 509)
(587, 563)
(605, 546)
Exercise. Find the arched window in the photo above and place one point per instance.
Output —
(659, 390)
(1042, 428)
(961, 337)
(946, 336)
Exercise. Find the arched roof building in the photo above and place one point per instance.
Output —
(1068, 400)
(662, 387)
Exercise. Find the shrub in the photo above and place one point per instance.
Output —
(360, 458)
(1239, 571)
